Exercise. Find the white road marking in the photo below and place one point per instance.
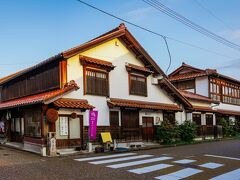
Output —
(120, 159)
(105, 157)
(184, 161)
(150, 168)
(232, 175)
(184, 173)
(224, 157)
(115, 166)
(211, 165)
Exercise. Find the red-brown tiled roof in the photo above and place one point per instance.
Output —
(138, 68)
(193, 73)
(187, 76)
(203, 109)
(45, 97)
(195, 96)
(73, 103)
(142, 104)
(228, 112)
(171, 89)
(90, 60)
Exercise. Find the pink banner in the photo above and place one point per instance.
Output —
(93, 116)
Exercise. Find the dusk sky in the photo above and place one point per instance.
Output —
(32, 31)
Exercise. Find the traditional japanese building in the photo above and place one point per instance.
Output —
(111, 74)
(213, 95)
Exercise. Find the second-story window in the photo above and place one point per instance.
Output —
(189, 84)
(215, 86)
(96, 82)
(137, 85)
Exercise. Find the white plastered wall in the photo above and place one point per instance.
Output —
(202, 86)
(113, 51)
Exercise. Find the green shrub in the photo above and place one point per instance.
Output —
(187, 131)
(227, 127)
(166, 132)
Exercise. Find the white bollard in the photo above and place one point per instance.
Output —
(90, 147)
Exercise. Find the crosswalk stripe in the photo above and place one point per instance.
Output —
(184, 173)
(150, 168)
(115, 166)
(211, 165)
(224, 157)
(229, 175)
(120, 159)
(105, 157)
(184, 161)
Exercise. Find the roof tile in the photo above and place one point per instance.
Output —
(38, 98)
(142, 104)
(73, 103)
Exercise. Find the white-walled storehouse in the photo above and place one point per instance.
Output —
(111, 74)
(213, 95)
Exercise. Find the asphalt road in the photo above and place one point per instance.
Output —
(201, 161)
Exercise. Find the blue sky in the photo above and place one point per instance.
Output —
(32, 31)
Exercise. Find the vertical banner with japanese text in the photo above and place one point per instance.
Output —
(93, 117)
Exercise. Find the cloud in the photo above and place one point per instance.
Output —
(231, 35)
(233, 64)
(138, 14)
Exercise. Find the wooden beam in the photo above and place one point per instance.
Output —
(139, 56)
(130, 46)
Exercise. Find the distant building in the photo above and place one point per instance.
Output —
(213, 95)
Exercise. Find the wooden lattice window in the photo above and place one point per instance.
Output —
(96, 82)
(209, 119)
(114, 118)
(170, 117)
(230, 93)
(215, 89)
(197, 119)
(189, 84)
(137, 85)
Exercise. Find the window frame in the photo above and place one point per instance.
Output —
(194, 118)
(110, 118)
(185, 85)
(166, 115)
(85, 69)
(227, 92)
(130, 84)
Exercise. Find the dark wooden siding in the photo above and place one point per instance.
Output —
(40, 80)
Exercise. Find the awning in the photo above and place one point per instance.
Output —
(46, 97)
(73, 103)
(113, 102)
(228, 112)
(203, 109)
(197, 97)
(85, 60)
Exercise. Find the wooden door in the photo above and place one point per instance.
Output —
(130, 124)
(147, 126)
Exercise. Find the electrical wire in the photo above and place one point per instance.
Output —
(159, 6)
(155, 33)
(169, 53)
(213, 15)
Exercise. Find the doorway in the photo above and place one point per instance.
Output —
(148, 130)
(69, 131)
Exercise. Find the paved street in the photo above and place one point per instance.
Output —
(218, 160)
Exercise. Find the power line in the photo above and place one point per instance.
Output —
(155, 33)
(159, 6)
(213, 15)
(169, 53)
